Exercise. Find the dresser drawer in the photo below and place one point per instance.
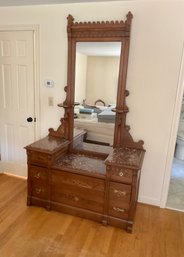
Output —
(118, 212)
(121, 174)
(119, 194)
(39, 158)
(39, 190)
(119, 200)
(37, 173)
(78, 190)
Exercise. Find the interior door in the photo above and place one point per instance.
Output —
(16, 99)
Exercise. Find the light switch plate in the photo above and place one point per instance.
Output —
(51, 101)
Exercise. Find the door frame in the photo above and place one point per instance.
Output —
(35, 29)
(173, 133)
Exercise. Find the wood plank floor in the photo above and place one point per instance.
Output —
(35, 232)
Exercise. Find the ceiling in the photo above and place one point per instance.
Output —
(40, 2)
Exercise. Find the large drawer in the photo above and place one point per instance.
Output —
(77, 190)
(119, 200)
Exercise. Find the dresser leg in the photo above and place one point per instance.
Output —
(129, 227)
(29, 201)
(104, 222)
(48, 206)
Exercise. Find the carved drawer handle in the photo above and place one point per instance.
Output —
(119, 193)
(118, 209)
(121, 174)
(37, 175)
(39, 190)
(76, 198)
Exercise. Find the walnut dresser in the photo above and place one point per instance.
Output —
(67, 176)
(101, 187)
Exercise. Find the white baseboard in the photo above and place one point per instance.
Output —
(16, 169)
(149, 200)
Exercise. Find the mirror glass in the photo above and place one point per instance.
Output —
(96, 81)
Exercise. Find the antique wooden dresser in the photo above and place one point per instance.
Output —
(63, 174)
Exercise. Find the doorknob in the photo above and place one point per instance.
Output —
(30, 119)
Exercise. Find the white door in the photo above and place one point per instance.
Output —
(16, 99)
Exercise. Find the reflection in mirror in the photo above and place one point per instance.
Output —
(96, 81)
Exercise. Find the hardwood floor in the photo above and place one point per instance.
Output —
(35, 232)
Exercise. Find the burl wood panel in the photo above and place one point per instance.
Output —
(77, 190)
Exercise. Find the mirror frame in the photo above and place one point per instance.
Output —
(113, 31)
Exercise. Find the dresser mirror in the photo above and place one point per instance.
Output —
(67, 172)
(96, 81)
(101, 35)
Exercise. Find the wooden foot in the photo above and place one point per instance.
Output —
(29, 201)
(129, 227)
(48, 207)
(104, 222)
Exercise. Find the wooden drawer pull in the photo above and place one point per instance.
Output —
(121, 174)
(119, 193)
(118, 209)
(39, 190)
(37, 175)
(76, 198)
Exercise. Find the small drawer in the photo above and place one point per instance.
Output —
(39, 190)
(118, 212)
(37, 173)
(121, 174)
(39, 158)
(119, 194)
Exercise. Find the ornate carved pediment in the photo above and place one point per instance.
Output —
(103, 29)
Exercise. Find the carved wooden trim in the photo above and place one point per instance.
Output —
(99, 29)
(127, 140)
(61, 130)
(103, 31)
(124, 110)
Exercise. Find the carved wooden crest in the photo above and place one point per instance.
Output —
(103, 29)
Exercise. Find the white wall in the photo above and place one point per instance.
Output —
(80, 77)
(155, 55)
(102, 79)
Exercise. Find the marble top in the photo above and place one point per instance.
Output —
(81, 162)
(125, 157)
(51, 144)
(48, 144)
